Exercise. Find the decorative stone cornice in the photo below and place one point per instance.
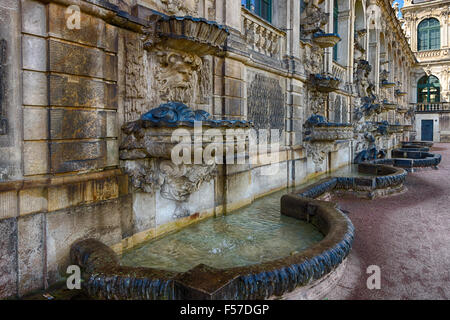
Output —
(188, 34)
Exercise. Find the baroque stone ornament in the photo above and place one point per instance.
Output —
(317, 102)
(326, 40)
(361, 77)
(318, 152)
(384, 78)
(320, 136)
(136, 87)
(148, 144)
(176, 7)
(195, 35)
(360, 52)
(312, 19)
(318, 129)
(176, 114)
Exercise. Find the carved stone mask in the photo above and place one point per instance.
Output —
(177, 75)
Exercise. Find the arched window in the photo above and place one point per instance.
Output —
(428, 90)
(429, 35)
(262, 8)
(335, 27)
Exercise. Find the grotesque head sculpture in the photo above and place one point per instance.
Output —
(177, 75)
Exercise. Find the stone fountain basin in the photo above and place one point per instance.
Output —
(142, 140)
(326, 40)
(383, 180)
(105, 278)
(387, 84)
(416, 144)
(330, 132)
(324, 83)
(191, 34)
(411, 159)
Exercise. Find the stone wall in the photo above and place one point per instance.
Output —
(59, 157)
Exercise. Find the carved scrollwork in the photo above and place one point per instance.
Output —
(175, 182)
(176, 7)
(180, 181)
(319, 151)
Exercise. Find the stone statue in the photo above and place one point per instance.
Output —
(312, 19)
(361, 78)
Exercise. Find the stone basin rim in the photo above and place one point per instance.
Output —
(107, 279)
(312, 263)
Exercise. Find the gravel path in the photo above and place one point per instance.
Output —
(406, 235)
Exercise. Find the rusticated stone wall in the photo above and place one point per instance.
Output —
(59, 155)
(69, 92)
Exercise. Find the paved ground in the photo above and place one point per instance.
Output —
(407, 236)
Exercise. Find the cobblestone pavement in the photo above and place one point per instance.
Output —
(406, 235)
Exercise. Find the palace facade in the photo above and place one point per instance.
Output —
(335, 78)
(427, 28)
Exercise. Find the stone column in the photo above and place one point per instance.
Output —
(288, 19)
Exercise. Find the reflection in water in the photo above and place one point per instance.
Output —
(349, 171)
(254, 234)
(250, 235)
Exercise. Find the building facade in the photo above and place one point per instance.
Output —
(427, 27)
(76, 77)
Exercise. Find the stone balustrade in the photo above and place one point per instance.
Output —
(338, 71)
(260, 35)
(432, 107)
(432, 54)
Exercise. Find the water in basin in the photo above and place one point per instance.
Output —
(350, 171)
(250, 235)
